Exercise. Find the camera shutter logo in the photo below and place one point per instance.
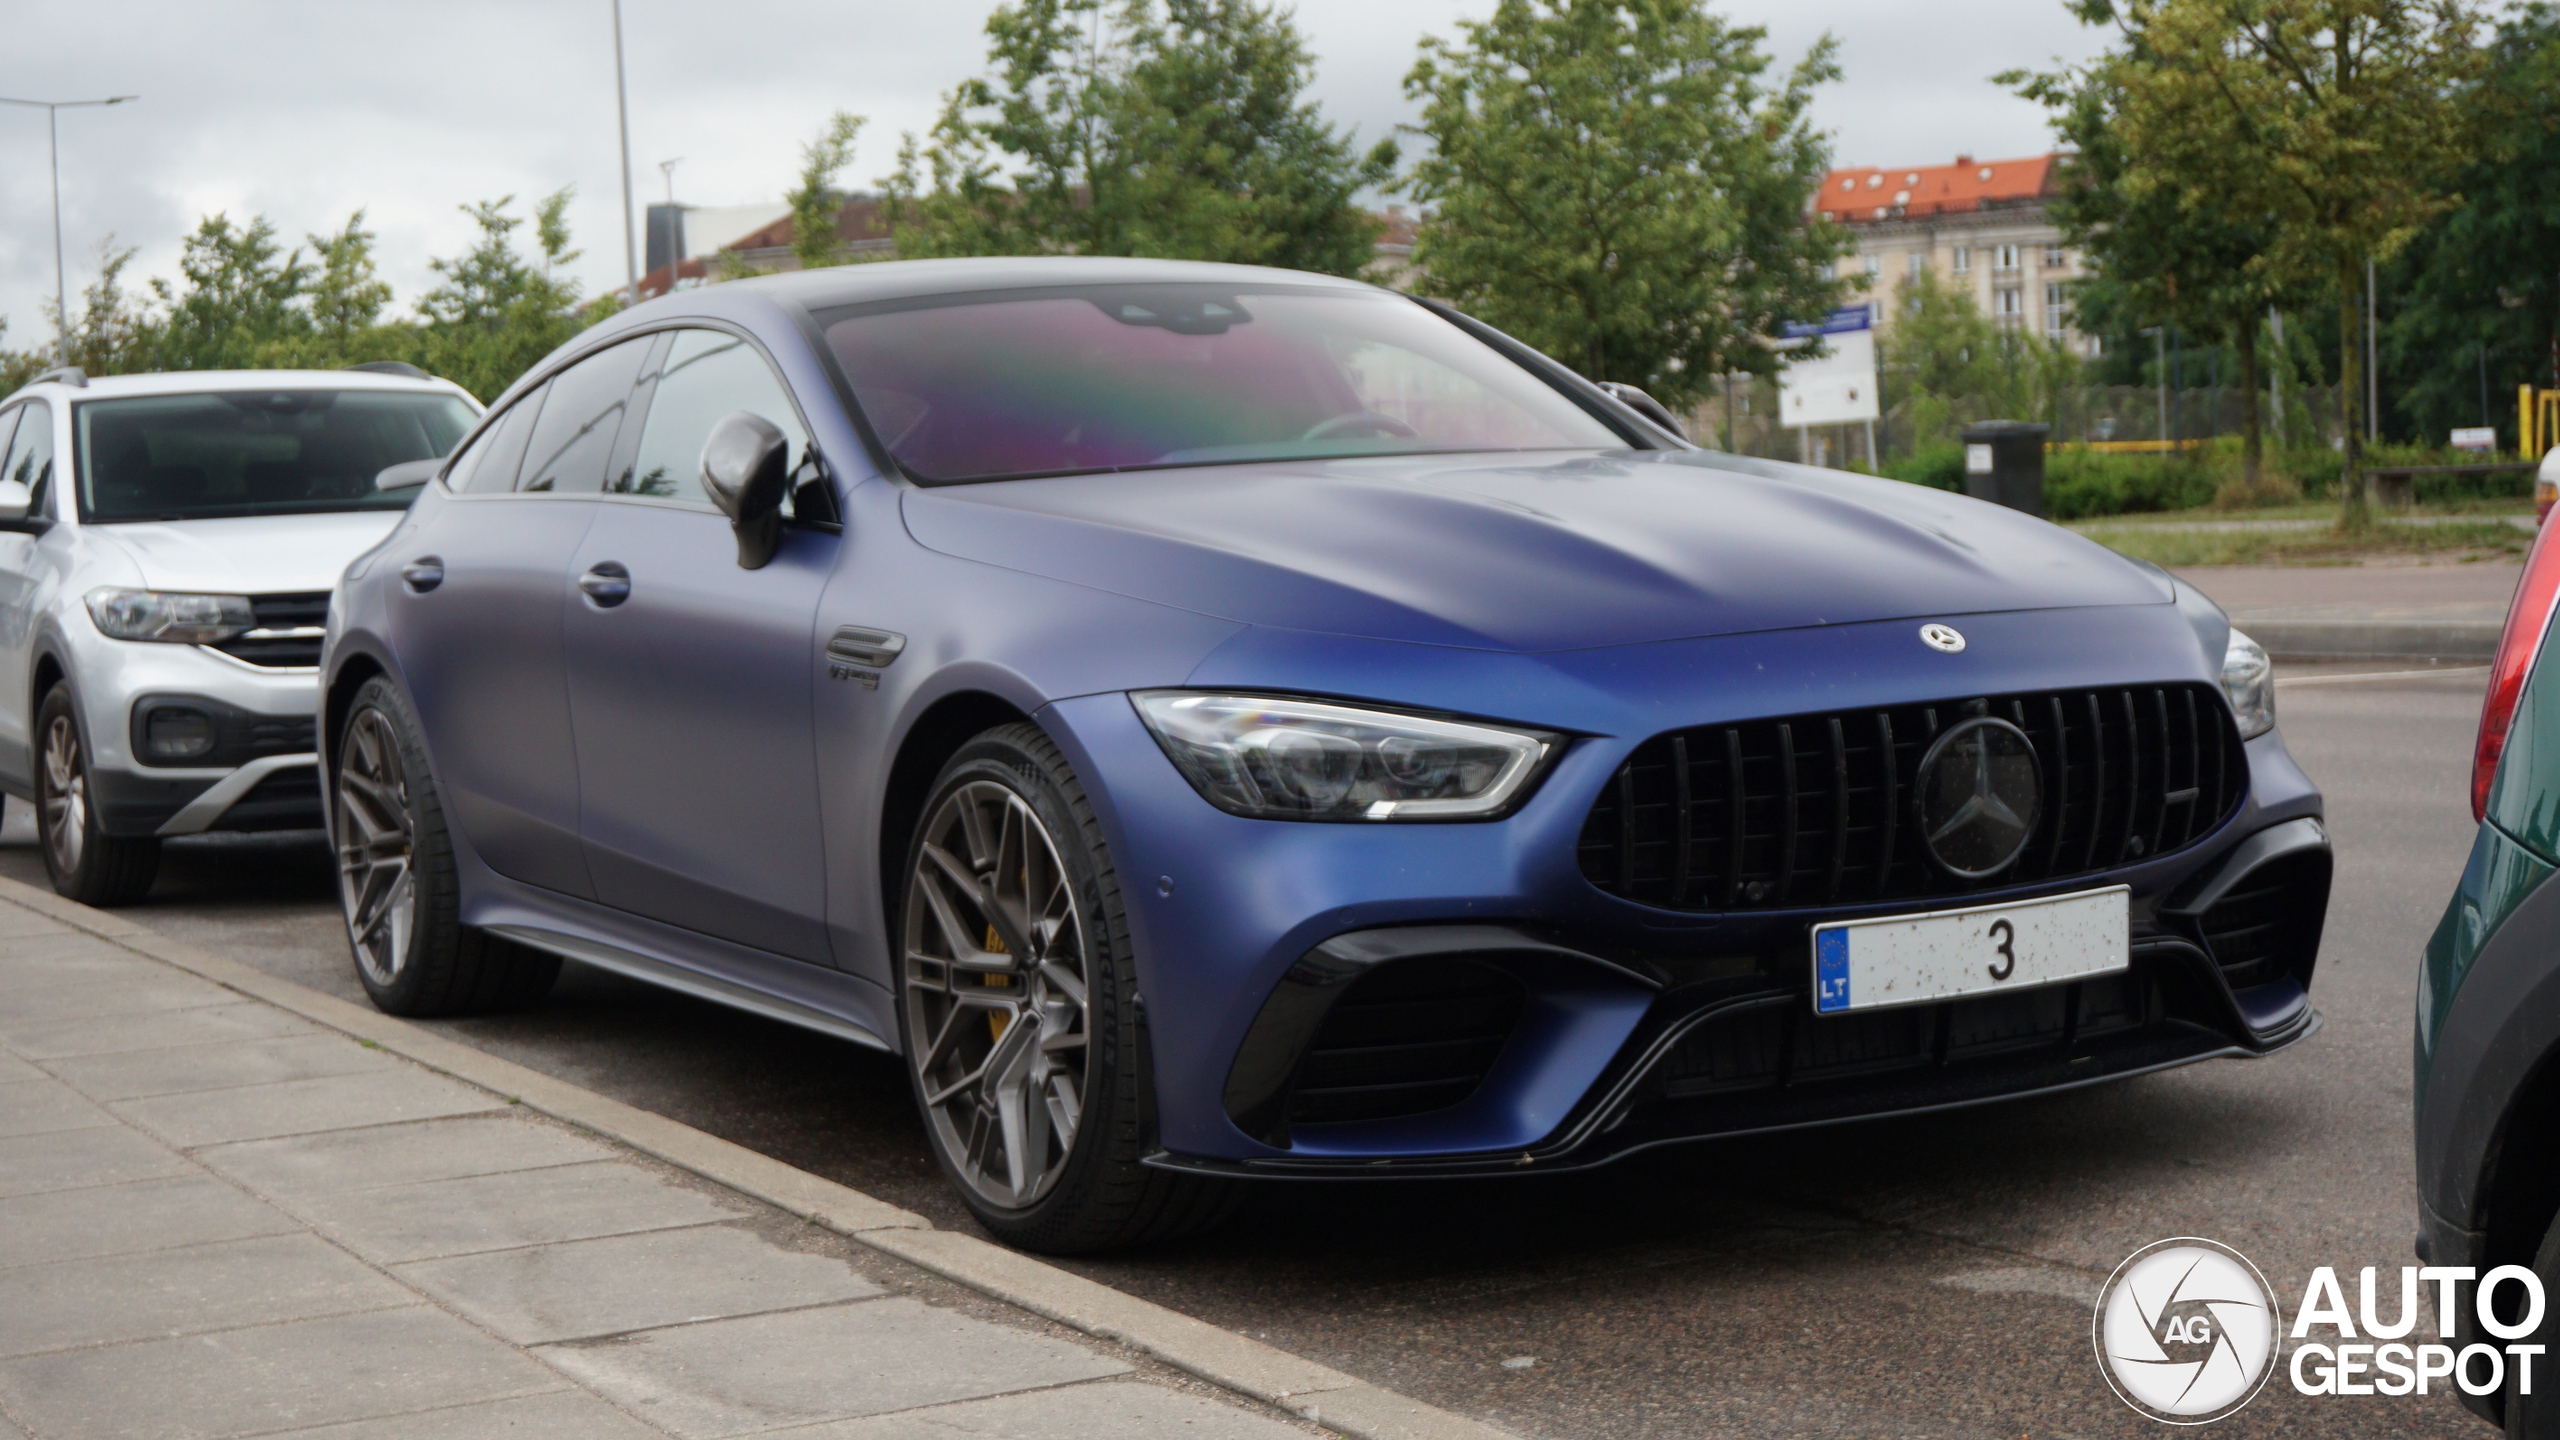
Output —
(2186, 1331)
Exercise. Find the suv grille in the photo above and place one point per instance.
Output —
(282, 612)
(1409, 1037)
(1815, 809)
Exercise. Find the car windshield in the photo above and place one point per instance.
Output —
(1077, 379)
(256, 452)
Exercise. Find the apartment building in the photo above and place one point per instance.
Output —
(1979, 225)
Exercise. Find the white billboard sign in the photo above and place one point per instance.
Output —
(1839, 388)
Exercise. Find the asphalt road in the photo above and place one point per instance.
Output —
(1922, 1277)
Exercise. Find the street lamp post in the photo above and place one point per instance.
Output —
(53, 143)
(622, 112)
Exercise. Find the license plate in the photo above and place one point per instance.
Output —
(1913, 959)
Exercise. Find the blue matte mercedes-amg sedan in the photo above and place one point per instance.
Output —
(1219, 722)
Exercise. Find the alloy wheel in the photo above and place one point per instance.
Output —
(66, 795)
(996, 975)
(376, 842)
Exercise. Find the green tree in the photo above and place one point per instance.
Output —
(1128, 127)
(815, 201)
(1619, 183)
(238, 292)
(2157, 257)
(116, 332)
(2477, 304)
(494, 312)
(1944, 361)
(347, 295)
(2342, 120)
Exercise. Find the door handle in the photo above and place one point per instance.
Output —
(606, 583)
(423, 574)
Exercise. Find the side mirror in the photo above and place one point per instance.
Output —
(1644, 405)
(743, 471)
(408, 474)
(14, 500)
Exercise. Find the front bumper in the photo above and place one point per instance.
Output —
(267, 777)
(1620, 1025)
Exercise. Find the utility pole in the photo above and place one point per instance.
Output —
(2160, 337)
(2372, 378)
(2275, 372)
(622, 113)
(53, 143)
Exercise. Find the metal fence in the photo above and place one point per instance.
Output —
(2081, 413)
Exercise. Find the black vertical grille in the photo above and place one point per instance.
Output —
(1813, 809)
(1410, 1036)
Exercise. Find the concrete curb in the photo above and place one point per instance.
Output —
(2374, 640)
(1262, 1372)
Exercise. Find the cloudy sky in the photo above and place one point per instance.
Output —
(305, 110)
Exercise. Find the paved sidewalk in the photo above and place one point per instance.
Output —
(2332, 612)
(219, 1219)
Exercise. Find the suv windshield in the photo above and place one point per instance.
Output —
(1076, 379)
(255, 452)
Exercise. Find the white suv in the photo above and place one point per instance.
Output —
(167, 547)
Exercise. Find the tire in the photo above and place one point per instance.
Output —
(86, 863)
(1008, 809)
(396, 882)
(2537, 1416)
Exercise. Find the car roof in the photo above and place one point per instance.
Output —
(906, 279)
(197, 382)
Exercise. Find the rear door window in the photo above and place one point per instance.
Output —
(573, 437)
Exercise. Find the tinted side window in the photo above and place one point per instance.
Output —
(30, 461)
(707, 375)
(573, 438)
(493, 459)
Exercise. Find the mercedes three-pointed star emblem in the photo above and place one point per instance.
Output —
(1981, 792)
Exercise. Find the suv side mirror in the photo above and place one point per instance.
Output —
(408, 474)
(743, 472)
(15, 500)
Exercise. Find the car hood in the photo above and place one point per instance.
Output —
(250, 555)
(1555, 552)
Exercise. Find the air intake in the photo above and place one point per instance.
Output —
(1409, 1037)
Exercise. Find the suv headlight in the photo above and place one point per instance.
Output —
(1280, 759)
(176, 619)
(2249, 678)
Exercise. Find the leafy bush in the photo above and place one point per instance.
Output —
(2081, 483)
(1940, 467)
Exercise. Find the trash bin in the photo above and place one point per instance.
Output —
(2004, 463)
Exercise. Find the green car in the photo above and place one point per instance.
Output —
(2487, 1101)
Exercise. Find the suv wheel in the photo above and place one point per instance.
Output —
(396, 877)
(86, 863)
(1018, 1009)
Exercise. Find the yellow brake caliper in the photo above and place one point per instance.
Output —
(997, 1019)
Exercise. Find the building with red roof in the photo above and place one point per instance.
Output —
(1979, 225)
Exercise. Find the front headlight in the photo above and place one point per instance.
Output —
(177, 619)
(1278, 759)
(2249, 678)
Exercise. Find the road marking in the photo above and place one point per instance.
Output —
(2281, 681)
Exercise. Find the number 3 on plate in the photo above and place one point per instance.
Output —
(2007, 935)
